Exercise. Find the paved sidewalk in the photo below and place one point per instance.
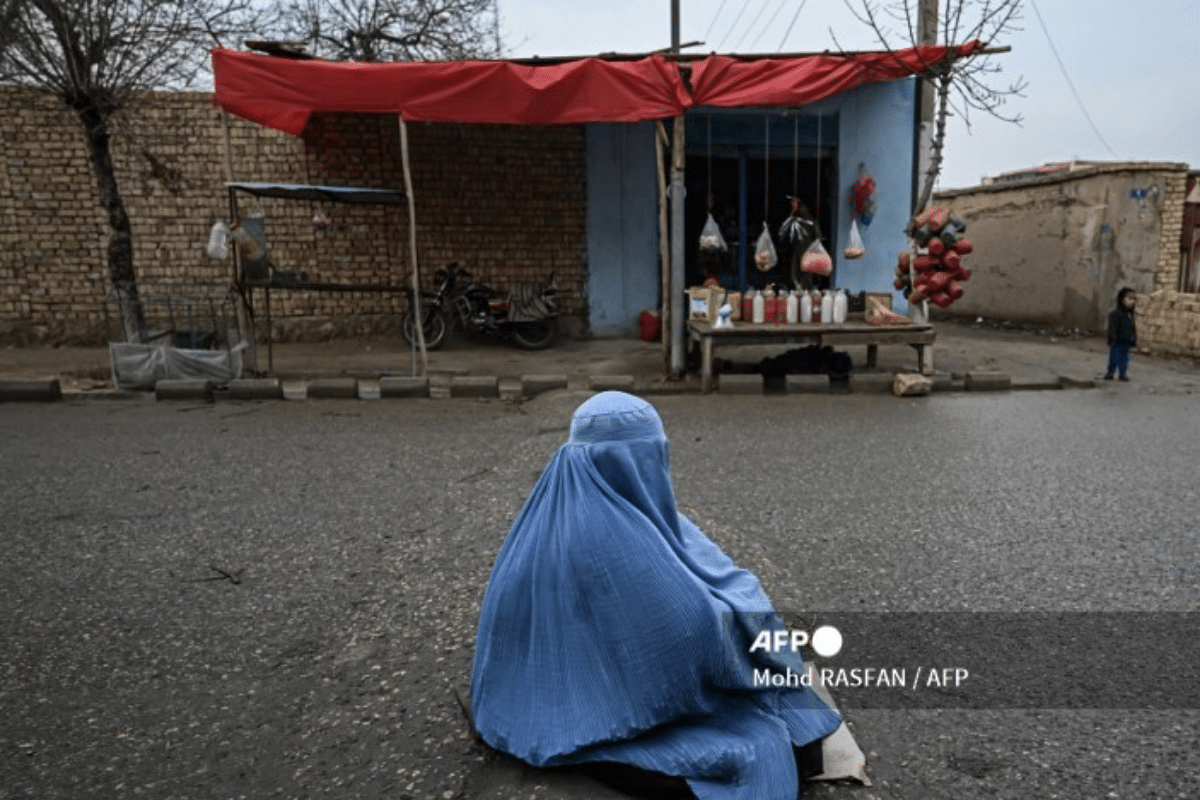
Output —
(1028, 359)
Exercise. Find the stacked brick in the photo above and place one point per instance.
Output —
(508, 202)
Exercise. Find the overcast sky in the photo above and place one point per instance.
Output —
(1134, 65)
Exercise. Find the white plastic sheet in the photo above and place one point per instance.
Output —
(140, 366)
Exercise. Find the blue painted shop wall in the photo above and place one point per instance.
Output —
(622, 227)
(876, 129)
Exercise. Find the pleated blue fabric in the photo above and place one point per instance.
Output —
(613, 629)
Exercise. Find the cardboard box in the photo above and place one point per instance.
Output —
(703, 302)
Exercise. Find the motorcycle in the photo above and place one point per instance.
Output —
(526, 315)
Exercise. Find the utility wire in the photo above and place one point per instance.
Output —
(734, 25)
(713, 24)
(788, 32)
(1070, 84)
(737, 47)
(770, 23)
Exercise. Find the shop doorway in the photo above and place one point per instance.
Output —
(744, 189)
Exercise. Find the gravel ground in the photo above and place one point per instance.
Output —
(280, 599)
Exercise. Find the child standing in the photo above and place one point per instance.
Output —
(1122, 334)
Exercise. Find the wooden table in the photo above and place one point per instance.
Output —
(918, 336)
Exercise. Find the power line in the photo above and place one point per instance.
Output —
(767, 27)
(734, 25)
(737, 47)
(713, 24)
(1070, 84)
(788, 32)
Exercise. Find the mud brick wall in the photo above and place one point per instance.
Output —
(1169, 320)
(507, 202)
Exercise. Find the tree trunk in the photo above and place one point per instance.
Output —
(944, 83)
(120, 232)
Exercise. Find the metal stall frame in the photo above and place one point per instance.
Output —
(294, 191)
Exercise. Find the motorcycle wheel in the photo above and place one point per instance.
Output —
(534, 335)
(434, 327)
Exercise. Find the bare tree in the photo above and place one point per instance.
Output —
(964, 85)
(99, 57)
(395, 30)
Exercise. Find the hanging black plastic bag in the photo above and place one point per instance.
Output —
(711, 240)
(764, 251)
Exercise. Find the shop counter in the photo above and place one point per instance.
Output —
(854, 332)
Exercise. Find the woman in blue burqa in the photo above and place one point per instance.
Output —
(614, 632)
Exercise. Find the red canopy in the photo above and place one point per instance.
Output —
(282, 93)
(731, 82)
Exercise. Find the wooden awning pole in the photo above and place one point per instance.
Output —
(677, 268)
(418, 320)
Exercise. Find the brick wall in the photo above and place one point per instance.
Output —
(508, 202)
(1169, 320)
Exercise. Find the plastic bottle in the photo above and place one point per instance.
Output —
(735, 301)
(816, 306)
(826, 307)
(840, 305)
(748, 305)
(770, 304)
(791, 313)
(805, 307)
(759, 308)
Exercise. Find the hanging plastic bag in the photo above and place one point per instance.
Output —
(862, 196)
(816, 260)
(855, 248)
(218, 241)
(711, 240)
(764, 251)
(250, 237)
(799, 227)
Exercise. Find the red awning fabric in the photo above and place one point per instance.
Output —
(283, 93)
(733, 83)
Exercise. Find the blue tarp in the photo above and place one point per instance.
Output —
(613, 629)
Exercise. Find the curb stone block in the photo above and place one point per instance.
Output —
(399, 386)
(741, 384)
(907, 384)
(610, 383)
(532, 385)
(806, 384)
(333, 389)
(1067, 382)
(988, 382)
(481, 386)
(255, 389)
(183, 389)
(30, 391)
(871, 382)
(946, 382)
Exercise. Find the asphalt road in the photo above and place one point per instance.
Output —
(279, 599)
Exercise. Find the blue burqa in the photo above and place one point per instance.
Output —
(614, 630)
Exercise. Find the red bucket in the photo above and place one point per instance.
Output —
(651, 324)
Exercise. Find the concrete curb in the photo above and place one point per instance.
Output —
(255, 389)
(533, 385)
(611, 383)
(740, 384)
(806, 384)
(475, 386)
(183, 389)
(31, 391)
(332, 389)
(988, 382)
(397, 386)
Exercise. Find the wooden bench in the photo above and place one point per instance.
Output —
(856, 332)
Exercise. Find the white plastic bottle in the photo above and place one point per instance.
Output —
(792, 311)
(759, 308)
(826, 307)
(840, 305)
(805, 307)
